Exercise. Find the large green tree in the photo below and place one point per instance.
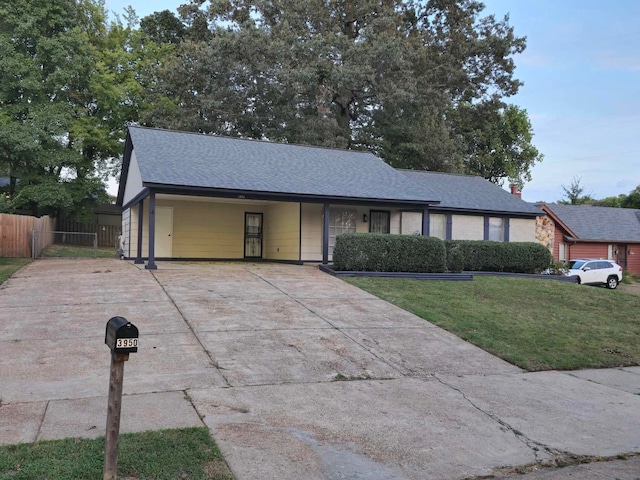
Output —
(62, 105)
(422, 84)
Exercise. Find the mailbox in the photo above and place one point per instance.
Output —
(121, 335)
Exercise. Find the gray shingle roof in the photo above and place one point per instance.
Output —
(599, 223)
(208, 161)
(466, 192)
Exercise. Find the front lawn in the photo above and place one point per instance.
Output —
(9, 266)
(77, 251)
(168, 454)
(533, 323)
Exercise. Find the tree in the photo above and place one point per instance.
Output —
(501, 147)
(632, 200)
(61, 104)
(417, 83)
(574, 194)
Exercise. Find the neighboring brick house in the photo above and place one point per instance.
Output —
(596, 232)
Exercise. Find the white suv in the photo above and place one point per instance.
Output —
(591, 271)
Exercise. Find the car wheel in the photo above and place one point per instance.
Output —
(612, 282)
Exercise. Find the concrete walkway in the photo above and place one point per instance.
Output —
(298, 375)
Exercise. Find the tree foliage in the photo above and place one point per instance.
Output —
(421, 84)
(574, 196)
(61, 119)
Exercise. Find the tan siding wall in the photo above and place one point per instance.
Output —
(209, 230)
(311, 227)
(282, 231)
(467, 227)
(522, 230)
(311, 232)
(126, 216)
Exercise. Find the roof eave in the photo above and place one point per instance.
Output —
(597, 240)
(279, 196)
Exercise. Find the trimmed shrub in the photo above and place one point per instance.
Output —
(375, 252)
(515, 257)
(455, 259)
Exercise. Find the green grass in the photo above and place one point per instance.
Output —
(76, 251)
(169, 454)
(9, 266)
(533, 323)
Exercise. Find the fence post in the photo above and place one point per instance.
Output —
(33, 244)
(95, 245)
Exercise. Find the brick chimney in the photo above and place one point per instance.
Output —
(515, 191)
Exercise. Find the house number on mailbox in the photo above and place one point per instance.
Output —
(126, 343)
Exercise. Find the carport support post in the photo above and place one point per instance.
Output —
(152, 232)
(325, 235)
(425, 222)
(138, 260)
(114, 406)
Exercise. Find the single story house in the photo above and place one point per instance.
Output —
(193, 196)
(583, 231)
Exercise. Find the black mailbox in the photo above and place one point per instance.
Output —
(121, 335)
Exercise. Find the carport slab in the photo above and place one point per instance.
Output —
(216, 285)
(236, 314)
(395, 429)
(285, 356)
(558, 410)
(428, 351)
(19, 422)
(622, 379)
(78, 321)
(87, 417)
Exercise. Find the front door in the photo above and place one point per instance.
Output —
(252, 235)
(164, 232)
(621, 256)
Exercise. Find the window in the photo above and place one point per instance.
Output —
(562, 252)
(496, 229)
(340, 221)
(610, 252)
(437, 226)
(379, 221)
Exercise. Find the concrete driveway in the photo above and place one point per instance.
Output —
(296, 373)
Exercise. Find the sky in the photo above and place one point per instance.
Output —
(581, 74)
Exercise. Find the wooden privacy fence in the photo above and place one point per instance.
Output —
(15, 233)
(107, 235)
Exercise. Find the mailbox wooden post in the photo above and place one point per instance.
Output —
(121, 337)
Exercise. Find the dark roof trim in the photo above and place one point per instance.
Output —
(279, 196)
(579, 240)
(126, 160)
(492, 213)
(144, 193)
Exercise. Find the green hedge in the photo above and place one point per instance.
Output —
(374, 252)
(516, 257)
